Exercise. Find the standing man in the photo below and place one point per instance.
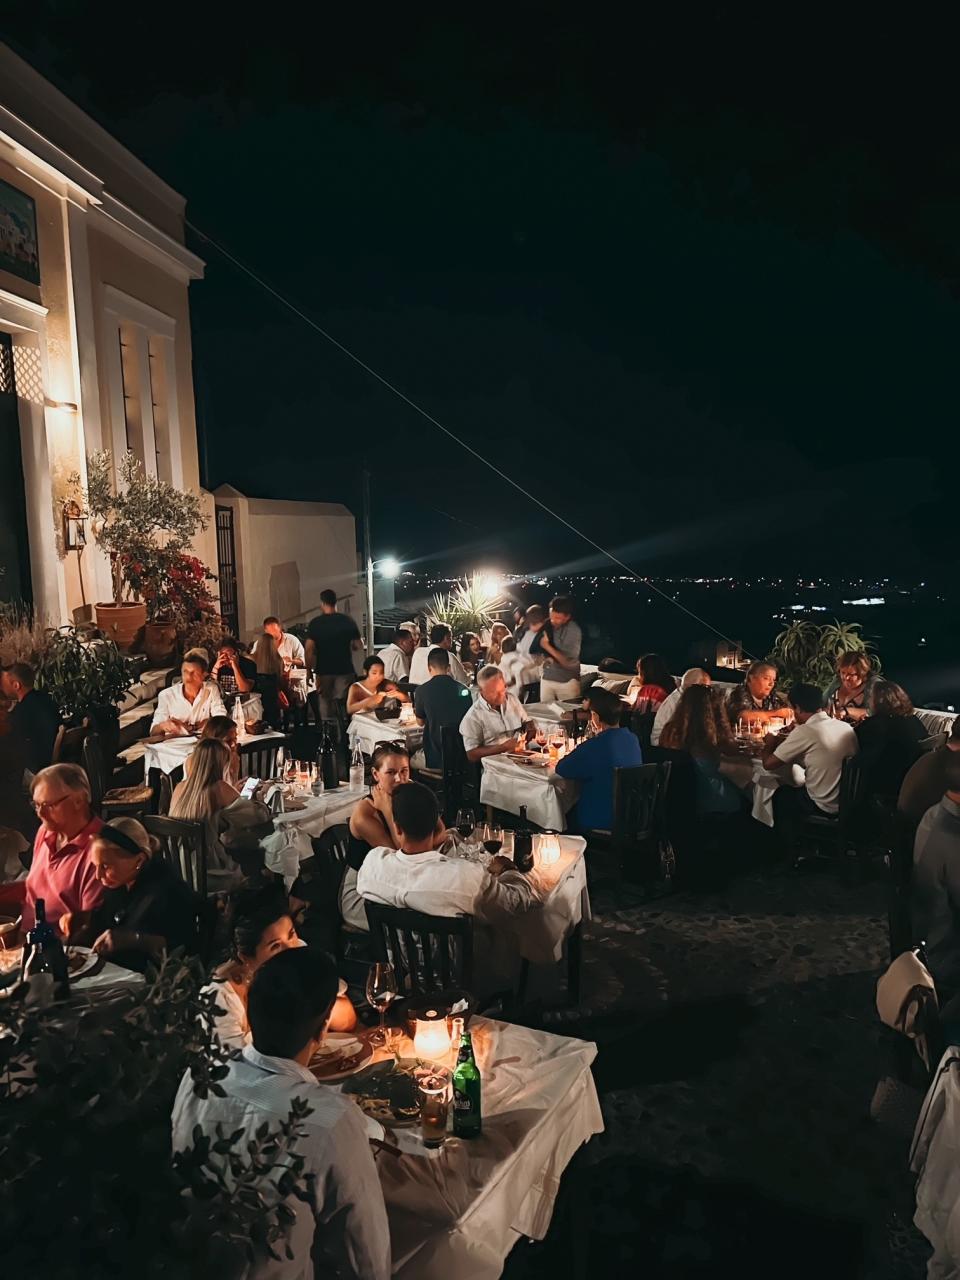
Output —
(441, 637)
(332, 638)
(34, 718)
(560, 680)
(288, 646)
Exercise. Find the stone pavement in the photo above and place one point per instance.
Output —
(739, 1050)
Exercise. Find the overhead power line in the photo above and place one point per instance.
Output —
(452, 435)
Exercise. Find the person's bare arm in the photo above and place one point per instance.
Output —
(361, 701)
(310, 655)
(496, 749)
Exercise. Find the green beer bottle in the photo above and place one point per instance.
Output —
(466, 1092)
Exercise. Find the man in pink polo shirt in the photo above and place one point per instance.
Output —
(61, 872)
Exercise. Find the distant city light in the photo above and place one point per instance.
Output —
(865, 600)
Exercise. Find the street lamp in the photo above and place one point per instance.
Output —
(387, 567)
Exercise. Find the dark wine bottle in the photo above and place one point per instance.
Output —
(44, 953)
(328, 762)
(523, 843)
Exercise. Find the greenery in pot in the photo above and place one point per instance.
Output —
(807, 653)
(471, 606)
(92, 1191)
(147, 527)
(82, 676)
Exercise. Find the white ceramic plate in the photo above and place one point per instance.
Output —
(342, 1054)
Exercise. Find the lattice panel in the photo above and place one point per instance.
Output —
(28, 374)
(6, 366)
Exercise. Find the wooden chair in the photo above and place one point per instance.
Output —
(429, 954)
(461, 779)
(68, 744)
(319, 883)
(259, 759)
(641, 722)
(184, 846)
(639, 803)
(844, 833)
(111, 801)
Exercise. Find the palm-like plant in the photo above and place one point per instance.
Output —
(806, 653)
(470, 606)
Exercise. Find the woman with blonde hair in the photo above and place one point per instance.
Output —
(224, 729)
(146, 908)
(234, 825)
(700, 727)
(498, 633)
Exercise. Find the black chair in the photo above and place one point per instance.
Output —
(319, 883)
(184, 846)
(641, 722)
(461, 778)
(845, 833)
(106, 800)
(639, 803)
(259, 759)
(68, 744)
(429, 954)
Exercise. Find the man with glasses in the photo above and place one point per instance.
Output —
(61, 873)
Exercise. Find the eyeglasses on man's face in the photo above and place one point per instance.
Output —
(42, 806)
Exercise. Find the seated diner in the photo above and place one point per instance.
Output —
(700, 727)
(374, 689)
(146, 909)
(819, 744)
(847, 695)
(372, 824)
(652, 683)
(188, 704)
(497, 722)
(758, 699)
(592, 763)
(889, 738)
(62, 874)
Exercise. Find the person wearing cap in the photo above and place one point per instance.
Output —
(146, 908)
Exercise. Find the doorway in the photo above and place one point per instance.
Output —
(227, 570)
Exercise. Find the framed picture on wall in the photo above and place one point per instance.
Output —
(18, 234)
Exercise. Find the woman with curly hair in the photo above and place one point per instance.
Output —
(848, 695)
(700, 727)
(889, 739)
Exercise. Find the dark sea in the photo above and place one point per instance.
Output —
(915, 628)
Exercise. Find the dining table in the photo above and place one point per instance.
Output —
(302, 818)
(747, 772)
(459, 1209)
(510, 784)
(367, 732)
(170, 755)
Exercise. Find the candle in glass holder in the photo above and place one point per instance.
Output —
(549, 850)
(431, 1042)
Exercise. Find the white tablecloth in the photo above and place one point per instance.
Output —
(368, 731)
(547, 715)
(289, 844)
(507, 785)
(460, 1210)
(170, 755)
(750, 773)
(563, 887)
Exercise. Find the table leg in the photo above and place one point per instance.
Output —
(574, 963)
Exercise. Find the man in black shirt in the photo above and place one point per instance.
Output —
(331, 639)
(35, 718)
(439, 703)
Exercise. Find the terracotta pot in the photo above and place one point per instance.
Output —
(121, 623)
(160, 642)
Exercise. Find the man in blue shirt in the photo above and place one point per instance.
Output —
(593, 762)
(439, 703)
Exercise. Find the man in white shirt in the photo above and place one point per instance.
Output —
(665, 712)
(441, 637)
(396, 656)
(288, 646)
(820, 745)
(496, 722)
(519, 670)
(417, 876)
(344, 1215)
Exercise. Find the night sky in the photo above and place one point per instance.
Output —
(692, 280)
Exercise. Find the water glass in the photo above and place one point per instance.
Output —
(433, 1090)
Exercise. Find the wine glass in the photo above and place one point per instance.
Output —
(381, 992)
(492, 838)
(541, 736)
(465, 823)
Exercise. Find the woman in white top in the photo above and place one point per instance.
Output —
(234, 824)
(260, 927)
(182, 708)
(373, 690)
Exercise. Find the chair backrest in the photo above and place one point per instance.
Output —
(934, 742)
(428, 953)
(639, 797)
(852, 778)
(259, 759)
(184, 846)
(164, 792)
(68, 746)
(461, 779)
(641, 722)
(95, 768)
(333, 844)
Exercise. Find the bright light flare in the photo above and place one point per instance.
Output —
(389, 567)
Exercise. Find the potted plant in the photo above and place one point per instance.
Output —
(146, 527)
(92, 1190)
(806, 653)
(470, 606)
